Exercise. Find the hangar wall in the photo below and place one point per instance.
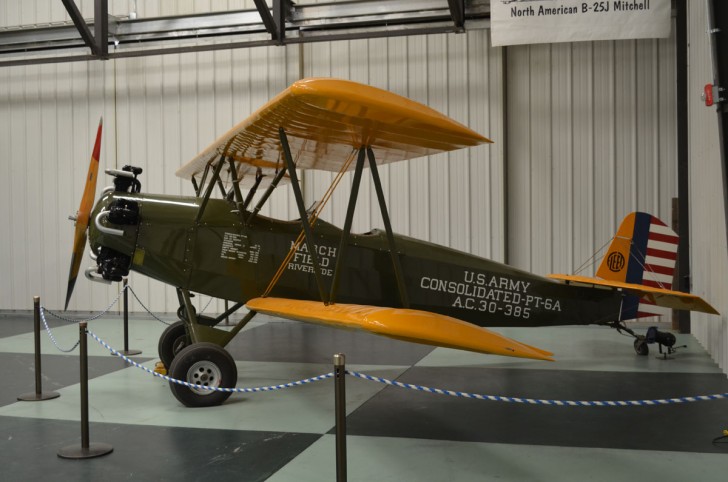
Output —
(709, 251)
(454, 199)
(591, 138)
(160, 111)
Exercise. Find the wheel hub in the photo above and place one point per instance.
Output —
(206, 374)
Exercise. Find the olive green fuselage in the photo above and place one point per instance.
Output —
(221, 257)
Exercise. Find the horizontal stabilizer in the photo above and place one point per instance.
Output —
(402, 324)
(676, 300)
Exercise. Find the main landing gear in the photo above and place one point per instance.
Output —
(193, 351)
(173, 340)
(206, 365)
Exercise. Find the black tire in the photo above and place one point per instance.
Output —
(182, 312)
(640, 347)
(174, 338)
(669, 340)
(204, 364)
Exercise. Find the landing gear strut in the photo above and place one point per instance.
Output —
(192, 349)
(177, 335)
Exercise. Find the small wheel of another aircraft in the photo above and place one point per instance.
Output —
(204, 364)
(640, 347)
(174, 338)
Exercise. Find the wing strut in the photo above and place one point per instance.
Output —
(302, 213)
(210, 187)
(347, 224)
(254, 189)
(236, 187)
(220, 185)
(266, 195)
(388, 227)
(204, 178)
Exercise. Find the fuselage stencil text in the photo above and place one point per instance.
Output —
(491, 294)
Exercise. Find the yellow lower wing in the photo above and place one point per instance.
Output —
(403, 324)
(676, 300)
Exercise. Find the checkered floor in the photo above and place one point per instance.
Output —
(393, 433)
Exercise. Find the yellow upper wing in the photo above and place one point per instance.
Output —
(325, 120)
(403, 324)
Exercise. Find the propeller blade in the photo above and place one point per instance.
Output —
(84, 213)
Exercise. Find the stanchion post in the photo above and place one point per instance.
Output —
(86, 450)
(38, 395)
(340, 410)
(127, 351)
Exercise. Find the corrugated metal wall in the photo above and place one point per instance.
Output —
(160, 111)
(452, 199)
(709, 252)
(591, 138)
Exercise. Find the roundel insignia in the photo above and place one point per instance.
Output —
(615, 261)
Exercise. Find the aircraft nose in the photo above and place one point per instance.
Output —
(113, 233)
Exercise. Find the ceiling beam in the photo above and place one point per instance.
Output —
(281, 10)
(80, 24)
(267, 17)
(457, 12)
(101, 27)
(285, 24)
(275, 23)
(98, 42)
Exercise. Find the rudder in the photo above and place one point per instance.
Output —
(644, 252)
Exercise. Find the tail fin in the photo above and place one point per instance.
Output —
(643, 252)
(641, 262)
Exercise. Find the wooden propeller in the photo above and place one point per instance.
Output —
(83, 215)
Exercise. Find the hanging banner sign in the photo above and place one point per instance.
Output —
(515, 22)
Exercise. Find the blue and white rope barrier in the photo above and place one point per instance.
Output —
(44, 310)
(53, 338)
(531, 401)
(420, 388)
(216, 389)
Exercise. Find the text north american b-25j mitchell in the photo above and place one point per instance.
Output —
(313, 271)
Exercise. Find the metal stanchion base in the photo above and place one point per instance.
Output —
(128, 352)
(79, 452)
(37, 397)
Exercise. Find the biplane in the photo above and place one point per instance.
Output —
(310, 270)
